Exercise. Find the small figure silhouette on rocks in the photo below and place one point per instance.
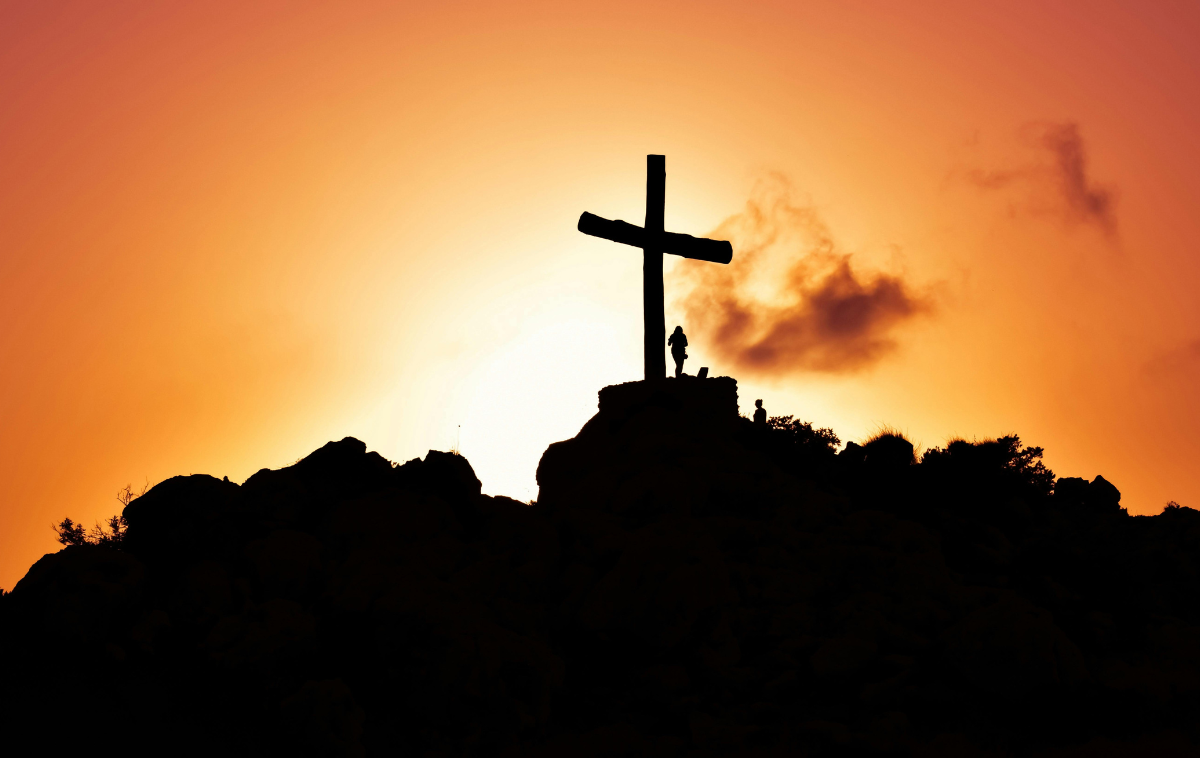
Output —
(678, 343)
(760, 413)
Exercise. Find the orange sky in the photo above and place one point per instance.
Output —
(230, 232)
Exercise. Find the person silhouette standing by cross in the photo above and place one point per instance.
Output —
(678, 343)
(760, 413)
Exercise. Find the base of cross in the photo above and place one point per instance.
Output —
(699, 398)
(647, 421)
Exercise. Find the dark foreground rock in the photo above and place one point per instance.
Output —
(687, 584)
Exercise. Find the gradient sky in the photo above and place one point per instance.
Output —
(231, 232)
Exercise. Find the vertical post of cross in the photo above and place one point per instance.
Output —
(652, 270)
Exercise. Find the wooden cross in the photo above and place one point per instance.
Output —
(654, 242)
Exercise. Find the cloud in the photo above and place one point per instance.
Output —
(1062, 171)
(791, 302)
(1184, 359)
(1087, 201)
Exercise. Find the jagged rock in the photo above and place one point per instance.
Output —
(79, 598)
(181, 518)
(842, 656)
(1098, 495)
(323, 718)
(1012, 648)
(1103, 496)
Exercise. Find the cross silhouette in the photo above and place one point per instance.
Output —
(654, 242)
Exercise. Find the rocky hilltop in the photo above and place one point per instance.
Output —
(687, 584)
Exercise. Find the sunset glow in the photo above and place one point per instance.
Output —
(232, 232)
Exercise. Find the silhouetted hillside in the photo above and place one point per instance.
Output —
(688, 583)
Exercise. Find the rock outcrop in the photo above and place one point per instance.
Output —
(686, 584)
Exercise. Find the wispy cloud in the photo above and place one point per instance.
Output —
(1183, 359)
(791, 301)
(1060, 173)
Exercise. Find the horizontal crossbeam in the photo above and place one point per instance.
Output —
(683, 245)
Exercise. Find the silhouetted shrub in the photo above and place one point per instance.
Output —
(1026, 463)
(889, 450)
(885, 431)
(796, 446)
(109, 534)
(802, 434)
(70, 533)
(1004, 456)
